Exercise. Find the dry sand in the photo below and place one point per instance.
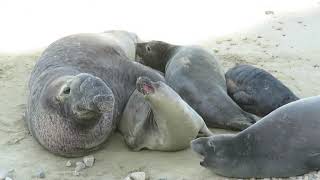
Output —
(288, 46)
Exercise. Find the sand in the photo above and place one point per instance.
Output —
(287, 45)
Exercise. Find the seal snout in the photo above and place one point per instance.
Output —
(198, 146)
(145, 86)
(104, 103)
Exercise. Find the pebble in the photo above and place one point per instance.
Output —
(269, 12)
(215, 50)
(88, 160)
(40, 174)
(279, 29)
(76, 173)
(136, 176)
(80, 166)
(68, 164)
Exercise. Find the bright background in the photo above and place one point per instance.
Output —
(32, 24)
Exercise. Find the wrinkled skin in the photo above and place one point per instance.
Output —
(156, 118)
(282, 144)
(77, 92)
(198, 78)
(257, 91)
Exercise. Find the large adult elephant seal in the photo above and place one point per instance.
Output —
(284, 143)
(157, 118)
(78, 90)
(198, 78)
(126, 40)
(257, 91)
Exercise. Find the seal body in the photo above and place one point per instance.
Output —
(126, 40)
(77, 92)
(257, 91)
(198, 78)
(157, 118)
(284, 143)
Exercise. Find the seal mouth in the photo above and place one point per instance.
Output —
(145, 86)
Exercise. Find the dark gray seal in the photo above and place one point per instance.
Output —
(157, 118)
(284, 143)
(78, 90)
(198, 78)
(257, 91)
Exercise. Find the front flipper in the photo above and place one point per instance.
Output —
(242, 98)
(238, 124)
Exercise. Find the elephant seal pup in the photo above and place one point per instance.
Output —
(126, 40)
(198, 78)
(77, 92)
(157, 118)
(257, 91)
(284, 143)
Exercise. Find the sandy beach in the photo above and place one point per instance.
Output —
(286, 45)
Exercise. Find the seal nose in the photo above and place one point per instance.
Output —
(197, 146)
(103, 102)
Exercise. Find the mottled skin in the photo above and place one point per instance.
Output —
(284, 143)
(257, 91)
(157, 118)
(78, 90)
(198, 78)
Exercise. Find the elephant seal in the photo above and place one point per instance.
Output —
(77, 92)
(198, 78)
(156, 118)
(257, 91)
(126, 40)
(284, 143)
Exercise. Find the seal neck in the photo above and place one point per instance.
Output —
(171, 51)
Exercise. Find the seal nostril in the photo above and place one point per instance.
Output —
(66, 90)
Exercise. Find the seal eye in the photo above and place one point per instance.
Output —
(148, 48)
(66, 90)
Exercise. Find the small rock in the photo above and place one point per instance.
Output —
(269, 12)
(283, 35)
(79, 166)
(215, 50)
(40, 174)
(76, 173)
(279, 29)
(233, 44)
(88, 161)
(229, 39)
(259, 37)
(280, 22)
(136, 176)
(299, 22)
(68, 164)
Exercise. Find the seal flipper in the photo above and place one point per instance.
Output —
(314, 161)
(243, 98)
(239, 124)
